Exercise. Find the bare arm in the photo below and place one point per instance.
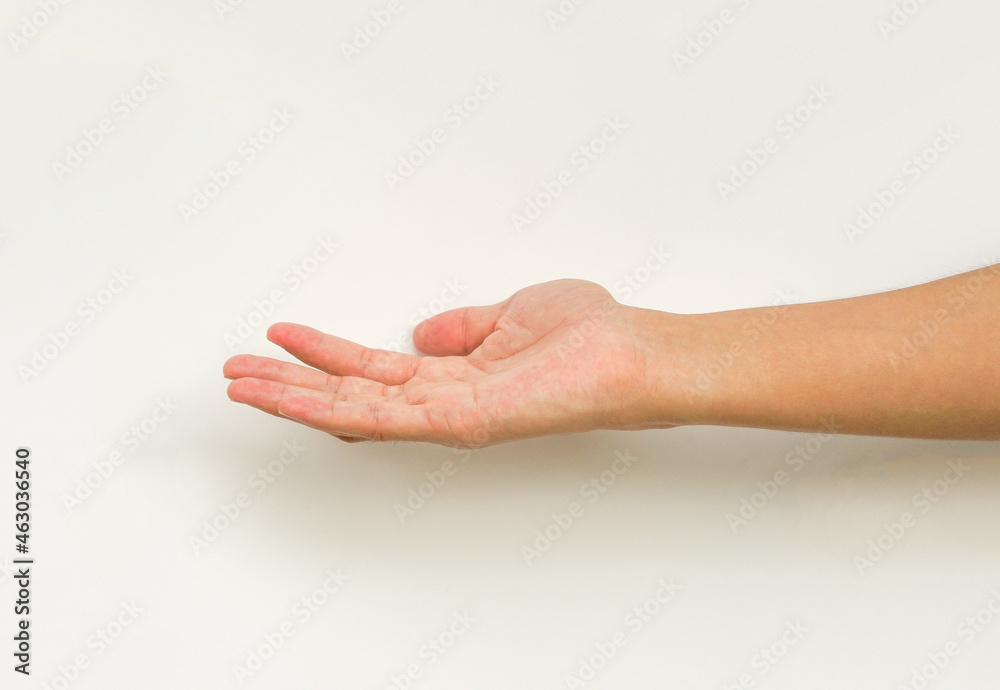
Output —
(565, 356)
(919, 362)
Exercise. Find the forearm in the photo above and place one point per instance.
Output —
(917, 362)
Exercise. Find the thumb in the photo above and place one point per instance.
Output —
(457, 331)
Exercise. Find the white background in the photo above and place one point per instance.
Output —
(656, 186)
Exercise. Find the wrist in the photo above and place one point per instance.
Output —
(754, 367)
(670, 350)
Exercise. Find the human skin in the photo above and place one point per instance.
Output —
(564, 357)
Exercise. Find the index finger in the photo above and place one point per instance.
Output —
(343, 357)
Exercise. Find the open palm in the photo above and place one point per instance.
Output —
(557, 357)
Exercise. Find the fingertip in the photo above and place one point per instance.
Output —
(437, 335)
(456, 331)
(349, 439)
(248, 390)
(275, 330)
(231, 367)
(419, 336)
(232, 390)
(293, 408)
(293, 336)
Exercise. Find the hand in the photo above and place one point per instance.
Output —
(558, 357)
